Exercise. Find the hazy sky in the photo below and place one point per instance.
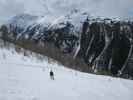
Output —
(109, 8)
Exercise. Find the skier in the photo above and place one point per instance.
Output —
(51, 75)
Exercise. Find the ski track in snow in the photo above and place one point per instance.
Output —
(26, 78)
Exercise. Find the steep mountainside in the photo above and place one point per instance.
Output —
(103, 43)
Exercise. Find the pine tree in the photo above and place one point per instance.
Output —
(4, 32)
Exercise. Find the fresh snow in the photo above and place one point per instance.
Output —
(48, 21)
(27, 78)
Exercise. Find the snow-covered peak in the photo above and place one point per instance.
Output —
(22, 20)
(49, 21)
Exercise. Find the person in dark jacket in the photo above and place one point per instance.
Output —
(51, 75)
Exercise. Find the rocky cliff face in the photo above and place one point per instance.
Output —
(107, 46)
(104, 44)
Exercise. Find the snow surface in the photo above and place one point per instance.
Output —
(26, 78)
(25, 20)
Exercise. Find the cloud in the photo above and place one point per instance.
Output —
(9, 8)
(109, 8)
(119, 8)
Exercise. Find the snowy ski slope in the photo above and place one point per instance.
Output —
(26, 78)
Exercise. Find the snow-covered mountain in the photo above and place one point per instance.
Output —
(95, 39)
(22, 20)
(27, 21)
(75, 28)
(72, 21)
(27, 78)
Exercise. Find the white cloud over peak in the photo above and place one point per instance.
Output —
(109, 8)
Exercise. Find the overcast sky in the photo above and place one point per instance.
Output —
(109, 8)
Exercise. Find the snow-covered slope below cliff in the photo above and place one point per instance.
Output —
(27, 78)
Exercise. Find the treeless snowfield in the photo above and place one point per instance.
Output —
(26, 78)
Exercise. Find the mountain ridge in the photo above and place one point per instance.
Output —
(91, 39)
